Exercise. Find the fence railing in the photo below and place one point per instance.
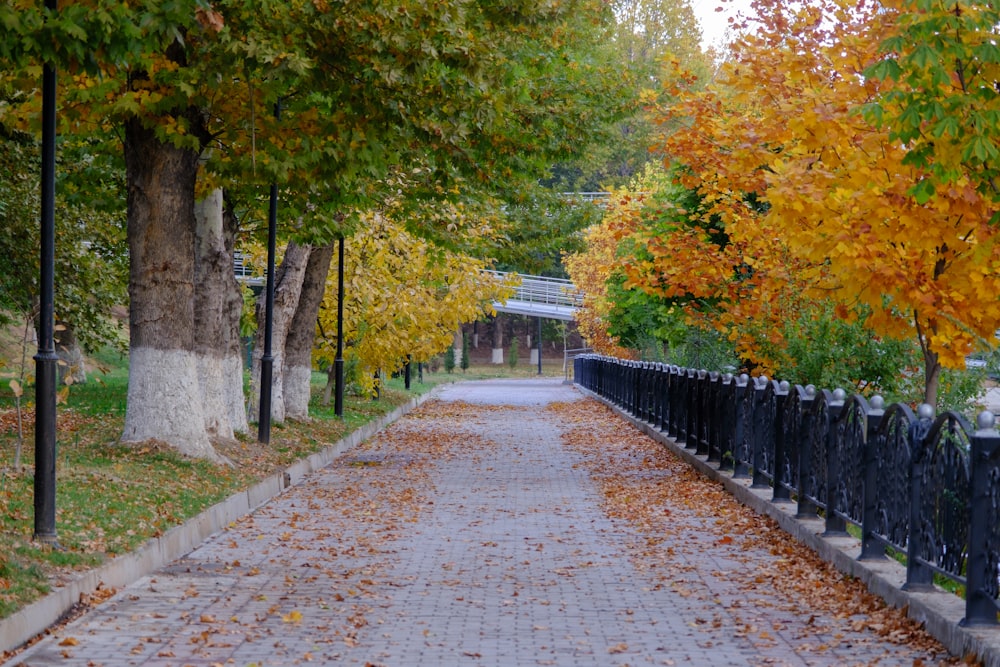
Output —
(540, 289)
(924, 486)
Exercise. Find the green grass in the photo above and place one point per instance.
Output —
(110, 499)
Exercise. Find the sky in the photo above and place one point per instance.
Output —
(713, 23)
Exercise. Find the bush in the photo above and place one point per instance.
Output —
(449, 360)
(512, 360)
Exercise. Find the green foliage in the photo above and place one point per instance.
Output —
(636, 319)
(943, 103)
(646, 34)
(91, 257)
(538, 229)
(822, 349)
(449, 360)
(514, 352)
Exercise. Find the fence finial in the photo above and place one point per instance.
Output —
(986, 421)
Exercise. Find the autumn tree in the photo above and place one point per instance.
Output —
(943, 59)
(836, 189)
(90, 261)
(645, 34)
(323, 100)
(403, 298)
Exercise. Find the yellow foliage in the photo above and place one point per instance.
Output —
(782, 122)
(402, 296)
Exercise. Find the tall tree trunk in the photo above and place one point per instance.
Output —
(299, 346)
(164, 398)
(233, 311)
(287, 288)
(932, 378)
(457, 340)
(216, 323)
(932, 363)
(497, 340)
(72, 365)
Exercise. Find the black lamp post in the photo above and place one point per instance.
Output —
(338, 362)
(46, 359)
(267, 360)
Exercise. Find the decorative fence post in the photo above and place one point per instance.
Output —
(782, 399)
(871, 549)
(715, 417)
(763, 430)
(744, 426)
(806, 508)
(662, 396)
(691, 424)
(981, 585)
(835, 525)
(681, 399)
(919, 577)
(727, 421)
(702, 411)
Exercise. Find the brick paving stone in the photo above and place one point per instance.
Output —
(505, 558)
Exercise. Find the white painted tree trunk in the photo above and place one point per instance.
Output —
(497, 341)
(211, 329)
(297, 372)
(287, 288)
(164, 399)
(236, 401)
(163, 402)
(456, 344)
(232, 363)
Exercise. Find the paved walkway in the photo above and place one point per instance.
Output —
(462, 535)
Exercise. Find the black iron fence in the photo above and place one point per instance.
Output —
(924, 486)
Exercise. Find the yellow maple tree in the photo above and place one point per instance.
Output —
(834, 216)
(403, 297)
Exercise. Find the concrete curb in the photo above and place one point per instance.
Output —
(34, 619)
(939, 611)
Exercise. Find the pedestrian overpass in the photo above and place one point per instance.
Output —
(535, 296)
(538, 296)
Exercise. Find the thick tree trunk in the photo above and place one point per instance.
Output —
(233, 367)
(299, 345)
(164, 398)
(216, 317)
(497, 340)
(457, 341)
(72, 364)
(287, 288)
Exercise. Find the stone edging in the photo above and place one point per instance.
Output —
(22, 626)
(939, 611)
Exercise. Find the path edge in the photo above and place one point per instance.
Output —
(938, 611)
(35, 619)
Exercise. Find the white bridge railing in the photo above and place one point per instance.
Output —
(539, 296)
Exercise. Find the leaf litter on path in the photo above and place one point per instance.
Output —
(690, 530)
